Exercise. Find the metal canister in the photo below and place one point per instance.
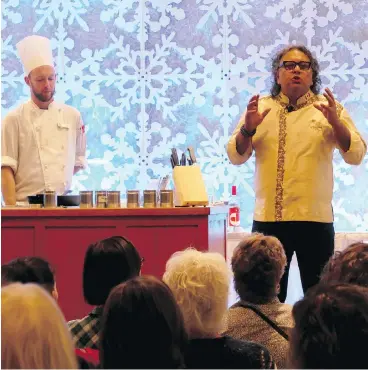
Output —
(149, 199)
(166, 198)
(113, 199)
(101, 199)
(133, 199)
(49, 199)
(86, 199)
(35, 205)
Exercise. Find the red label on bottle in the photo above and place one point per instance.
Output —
(234, 216)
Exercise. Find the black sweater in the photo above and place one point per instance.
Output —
(227, 353)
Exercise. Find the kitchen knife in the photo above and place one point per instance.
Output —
(183, 161)
(192, 155)
(175, 156)
(172, 161)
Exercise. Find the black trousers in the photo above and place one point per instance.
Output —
(313, 243)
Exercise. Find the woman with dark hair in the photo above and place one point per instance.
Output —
(349, 266)
(142, 327)
(258, 264)
(107, 263)
(331, 328)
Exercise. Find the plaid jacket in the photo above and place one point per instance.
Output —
(85, 332)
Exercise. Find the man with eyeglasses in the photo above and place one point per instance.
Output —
(294, 133)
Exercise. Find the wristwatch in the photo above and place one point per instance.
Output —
(247, 133)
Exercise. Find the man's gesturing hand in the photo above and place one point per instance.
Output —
(253, 118)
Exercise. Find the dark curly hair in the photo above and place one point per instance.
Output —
(331, 328)
(29, 270)
(258, 264)
(348, 266)
(275, 64)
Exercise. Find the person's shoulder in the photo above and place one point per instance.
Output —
(77, 324)
(13, 116)
(16, 112)
(257, 354)
(266, 100)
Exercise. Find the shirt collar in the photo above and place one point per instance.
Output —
(307, 98)
(97, 311)
(262, 302)
(34, 106)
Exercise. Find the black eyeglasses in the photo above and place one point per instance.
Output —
(290, 65)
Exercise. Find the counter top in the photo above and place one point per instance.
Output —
(112, 212)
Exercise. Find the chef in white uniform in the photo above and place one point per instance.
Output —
(42, 142)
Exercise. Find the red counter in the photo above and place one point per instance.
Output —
(62, 236)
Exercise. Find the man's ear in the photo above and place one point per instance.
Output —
(27, 80)
(55, 293)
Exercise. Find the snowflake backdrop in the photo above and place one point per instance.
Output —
(152, 75)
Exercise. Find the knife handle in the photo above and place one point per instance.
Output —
(175, 156)
(192, 155)
(183, 161)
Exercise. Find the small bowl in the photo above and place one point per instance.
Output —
(35, 199)
(68, 200)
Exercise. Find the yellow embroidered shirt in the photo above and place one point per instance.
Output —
(294, 152)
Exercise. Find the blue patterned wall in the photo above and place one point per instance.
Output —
(150, 75)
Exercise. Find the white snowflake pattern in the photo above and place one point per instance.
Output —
(131, 16)
(359, 222)
(304, 14)
(215, 165)
(9, 13)
(117, 146)
(230, 8)
(69, 10)
(10, 79)
(143, 83)
(138, 162)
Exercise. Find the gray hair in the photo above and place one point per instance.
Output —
(276, 88)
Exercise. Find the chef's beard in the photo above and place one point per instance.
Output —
(42, 97)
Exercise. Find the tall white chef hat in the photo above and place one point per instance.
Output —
(35, 51)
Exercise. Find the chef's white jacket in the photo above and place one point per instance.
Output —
(43, 147)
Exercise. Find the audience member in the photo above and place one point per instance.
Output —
(331, 328)
(258, 264)
(142, 327)
(200, 283)
(348, 266)
(107, 263)
(34, 334)
(30, 270)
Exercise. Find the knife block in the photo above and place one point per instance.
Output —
(189, 187)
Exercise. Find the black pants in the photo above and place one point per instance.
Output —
(313, 243)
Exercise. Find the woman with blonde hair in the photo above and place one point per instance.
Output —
(34, 333)
(200, 283)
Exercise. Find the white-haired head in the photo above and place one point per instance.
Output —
(200, 283)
